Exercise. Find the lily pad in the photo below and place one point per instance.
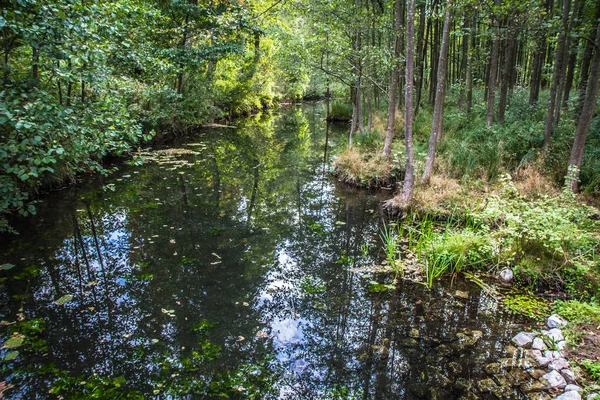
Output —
(64, 299)
(11, 356)
(14, 342)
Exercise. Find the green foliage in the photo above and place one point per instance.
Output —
(448, 248)
(593, 368)
(578, 312)
(528, 305)
(558, 231)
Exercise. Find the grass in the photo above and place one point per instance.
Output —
(366, 169)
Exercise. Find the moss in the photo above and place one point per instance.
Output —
(527, 305)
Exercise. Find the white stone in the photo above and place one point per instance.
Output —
(556, 321)
(555, 380)
(561, 345)
(572, 395)
(573, 388)
(558, 364)
(506, 275)
(553, 354)
(555, 335)
(538, 344)
(592, 396)
(523, 339)
(568, 375)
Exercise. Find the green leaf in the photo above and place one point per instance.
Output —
(11, 356)
(65, 299)
(14, 342)
(6, 266)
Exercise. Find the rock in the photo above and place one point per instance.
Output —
(414, 333)
(553, 354)
(558, 364)
(461, 295)
(517, 376)
(556, 321)
(493, 368)
(573, 388)
(511, 350)
(410, 342)
(555, 335)
(538, 344)
(486, 385)
(455, 368)
(508, 363)
(535, 386)
(572, 395)
(537, 373)
(523, 339)
(443, 350)
(539, 359)
(463, 384)
(592, 396)
(568, 375)
(506, 275)
(555, 380)
(561, 345)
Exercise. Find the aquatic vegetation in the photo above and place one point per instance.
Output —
(376, 287)
(528, 305)
(391, 246)
(311, 285)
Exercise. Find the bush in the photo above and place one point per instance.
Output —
(366, 169)
(553, 237)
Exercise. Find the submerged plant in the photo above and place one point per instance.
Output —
(390, 240)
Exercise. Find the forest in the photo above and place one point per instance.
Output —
(473, 127)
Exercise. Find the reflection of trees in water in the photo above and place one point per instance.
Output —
(189, 238)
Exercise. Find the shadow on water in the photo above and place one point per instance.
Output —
(223, 266)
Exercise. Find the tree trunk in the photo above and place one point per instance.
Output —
(493, 76)
(464, 63)
(554, 88)
(470, 68)
(409, 176)
(585, 119)
(389, 132)
(438, 110)
(585, 68)
(422, 54)
(35, 65)
(573, 25)
(506, 74)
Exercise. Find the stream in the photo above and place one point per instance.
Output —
(227, 263)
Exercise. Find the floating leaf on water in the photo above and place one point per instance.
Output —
(245, 304)
(340, 223)
(14, 342)
(64, 299)
(240, 338)
(262, 334)
(11, 356)
(154, 341)
(6, 266)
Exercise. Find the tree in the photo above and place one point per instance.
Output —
(438, 111)
(409, 175)
(585, 119)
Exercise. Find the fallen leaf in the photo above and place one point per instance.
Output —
(64, 299)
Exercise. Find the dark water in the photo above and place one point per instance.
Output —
(224, 266)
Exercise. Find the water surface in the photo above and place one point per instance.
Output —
(223, 265)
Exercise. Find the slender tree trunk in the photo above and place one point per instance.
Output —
(35, 65)
(506, 74)
(554, 88)
(438, 110)
(422, 54)
(470, 68)
(434, 65)
(464, 63)
(585, 68)
(563, 67)
(59, 84)
(573, 25)
(585, 119)
(389, 132)
(493, 75)
(409, 176)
